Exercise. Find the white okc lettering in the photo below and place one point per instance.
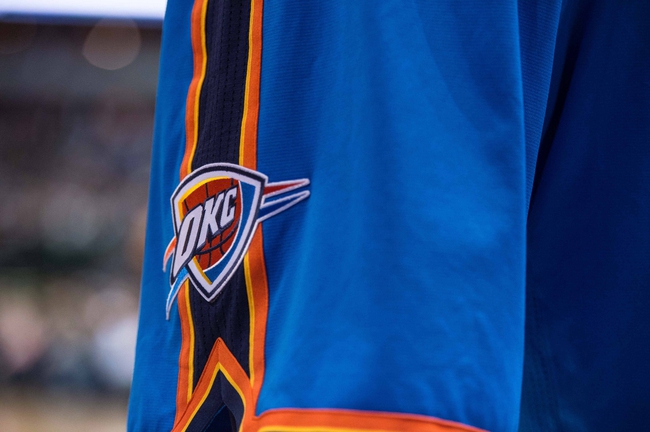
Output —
(212, 217)
(186, 239)
(210, 226)
(228, 212)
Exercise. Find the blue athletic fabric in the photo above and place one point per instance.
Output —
(589, 229)
(476, 246)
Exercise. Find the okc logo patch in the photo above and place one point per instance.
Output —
(215, 211)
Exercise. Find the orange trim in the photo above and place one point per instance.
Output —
(168, 252)
(248, 146)
(258, 297)
(347, 420)
(193, 95)
(186, 358)
(254, 265)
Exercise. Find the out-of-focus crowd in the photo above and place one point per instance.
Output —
(76, 122)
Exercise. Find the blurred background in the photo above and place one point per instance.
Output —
(77, 93)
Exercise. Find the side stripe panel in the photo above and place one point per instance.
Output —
(212, 332)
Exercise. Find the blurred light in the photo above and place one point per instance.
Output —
(22, 333)
(114, 351)
(140, 9)
(112, 44)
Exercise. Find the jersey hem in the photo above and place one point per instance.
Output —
(342, 420)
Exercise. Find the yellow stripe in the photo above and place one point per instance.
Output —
(218, 369)
(203, 398)
(190, 380)
(232, 382)
(251, 311)
(242, 139)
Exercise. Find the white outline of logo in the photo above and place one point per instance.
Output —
(268, 200)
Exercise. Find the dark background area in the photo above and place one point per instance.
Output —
(76, 120)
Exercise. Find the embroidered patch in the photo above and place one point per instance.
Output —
(215, 211)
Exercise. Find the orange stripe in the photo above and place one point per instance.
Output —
(168, 252)
(186, 358)
(347, 420)
(254, 266)
(194, 92)
(248, 146)
(260, 300)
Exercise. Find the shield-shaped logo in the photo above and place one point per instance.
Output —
(215, 211)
